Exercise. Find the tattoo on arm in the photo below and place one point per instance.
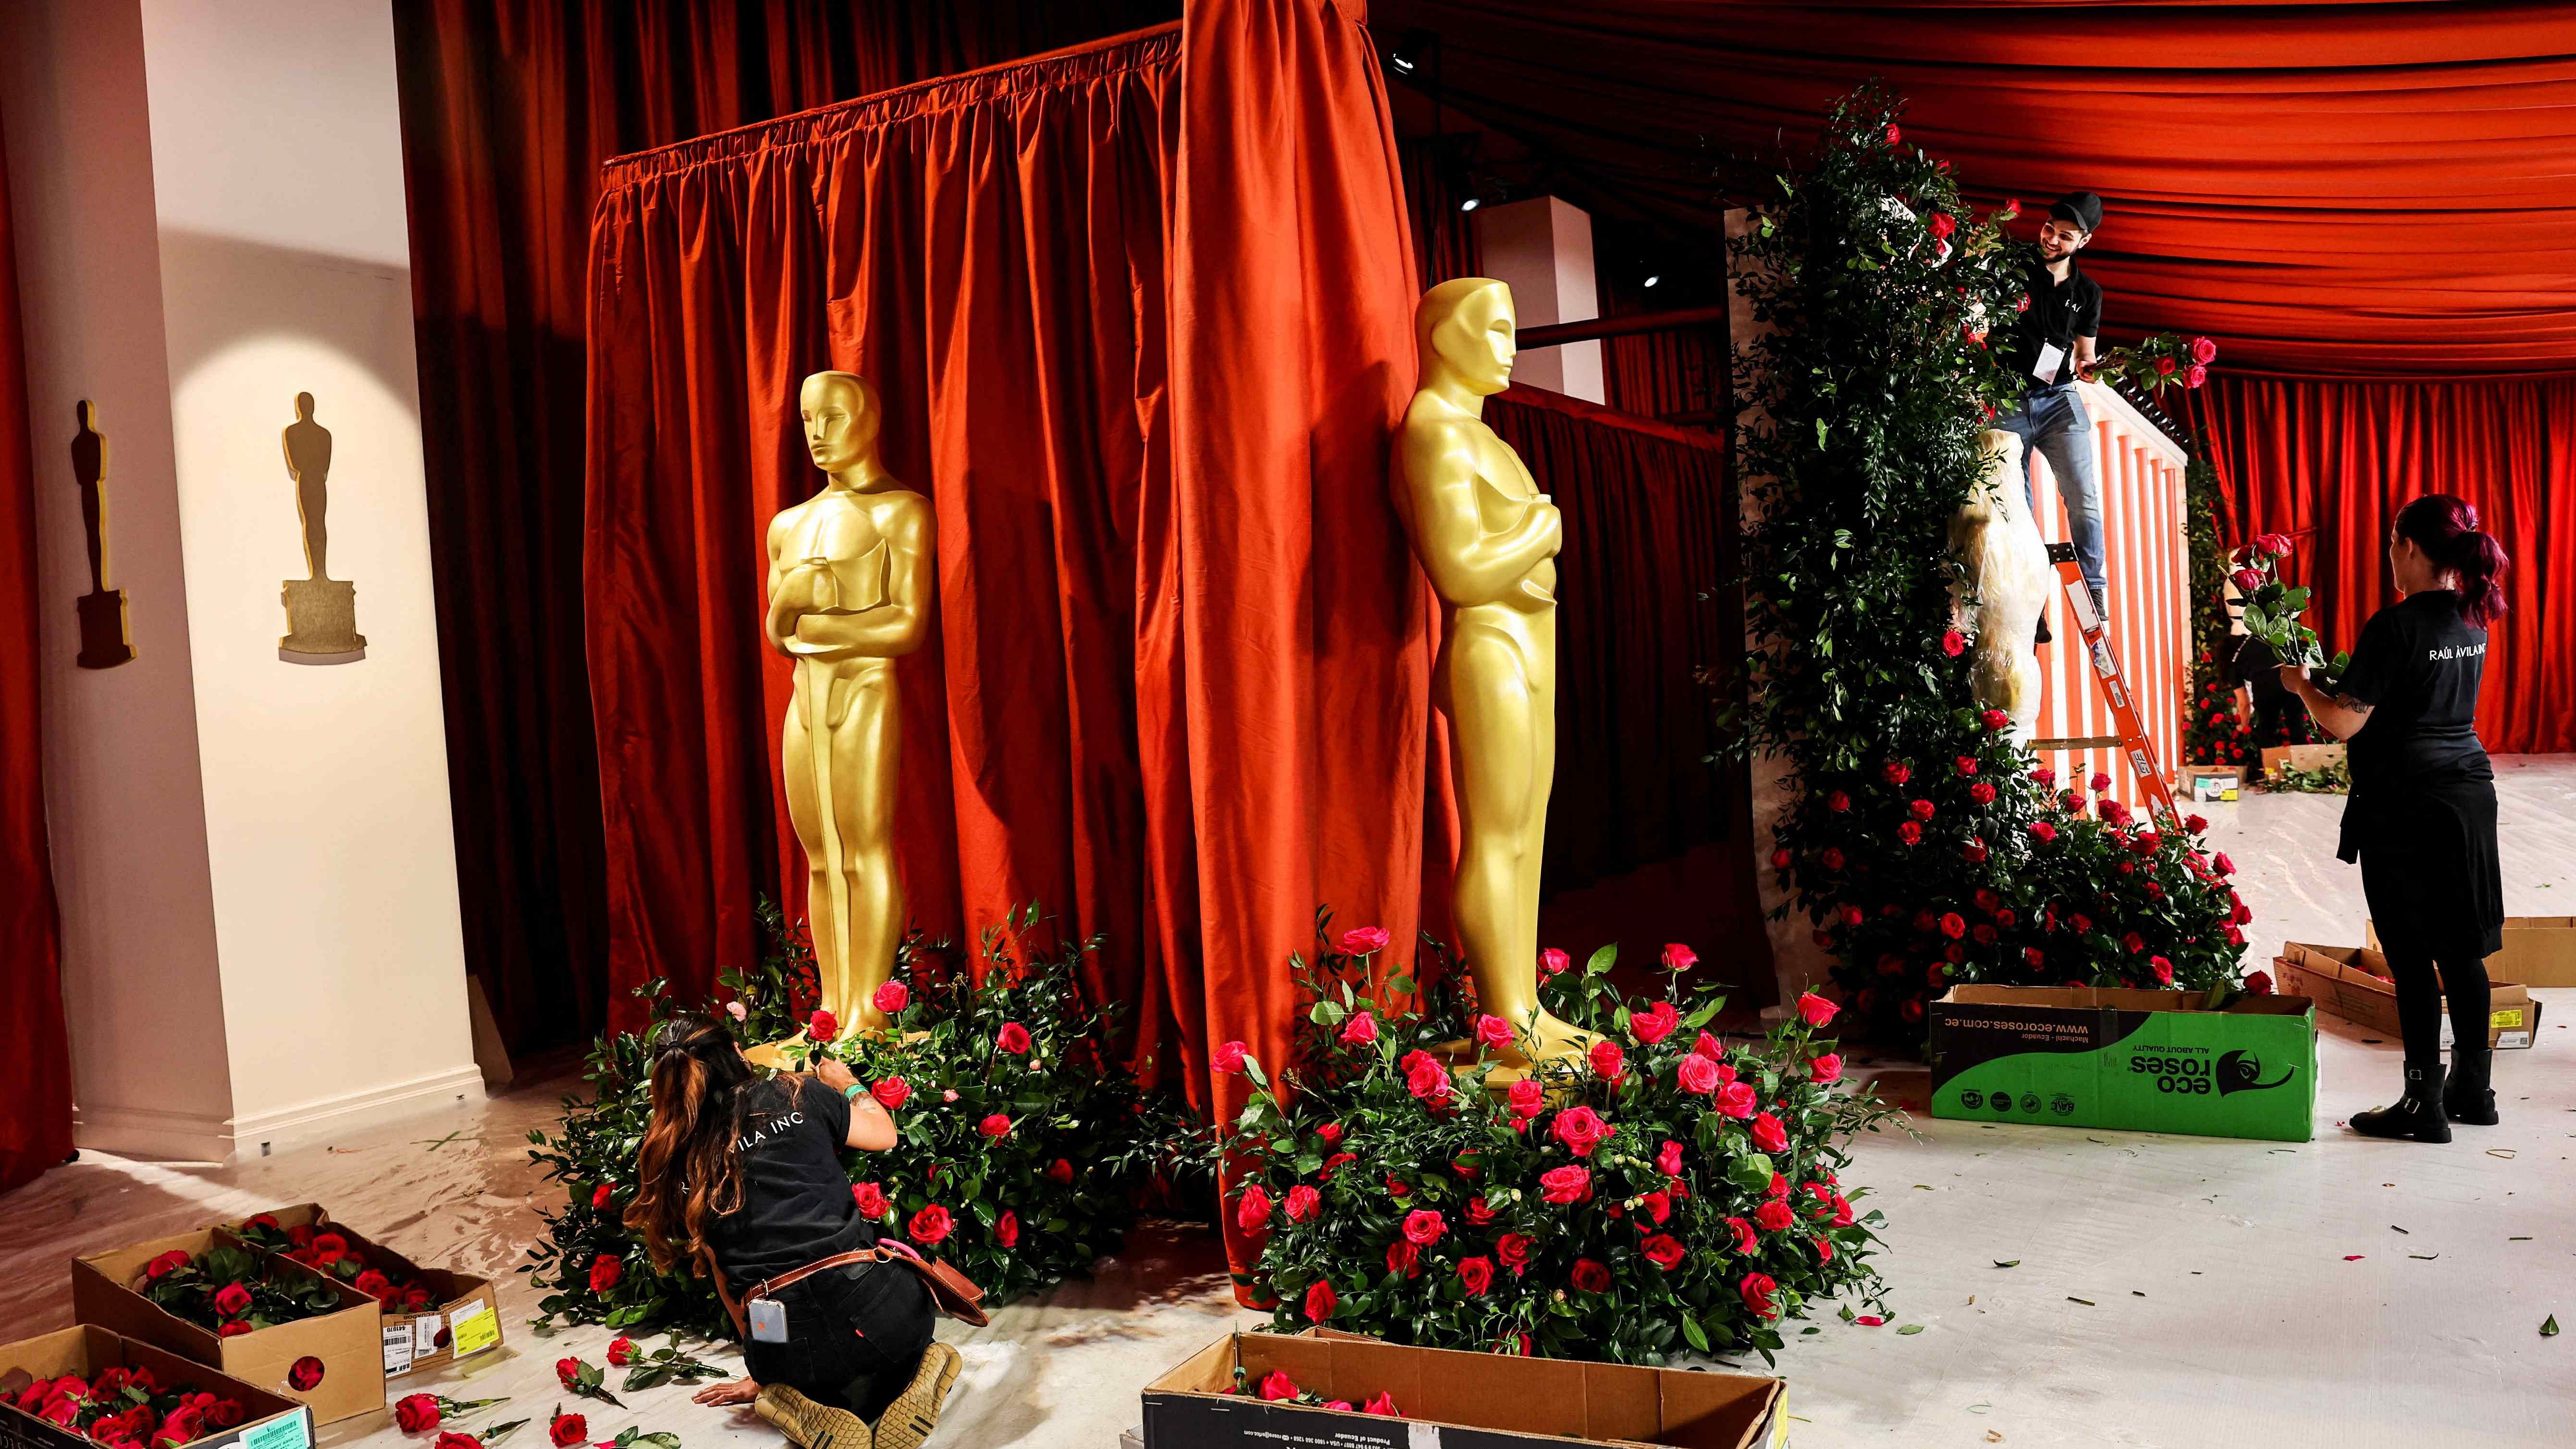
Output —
(2347, 702)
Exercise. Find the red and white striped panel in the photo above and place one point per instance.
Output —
(2142, 525)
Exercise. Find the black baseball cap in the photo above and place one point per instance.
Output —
(2080, 207)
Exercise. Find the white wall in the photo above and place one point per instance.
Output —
(270, 180)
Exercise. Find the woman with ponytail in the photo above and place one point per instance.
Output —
(2422, 817)
(742, 1175)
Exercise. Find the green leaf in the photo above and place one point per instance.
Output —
(2549, 1326)
(1601, 961)
(1909, 1329)
(1698, 1336)
(2008, 1262)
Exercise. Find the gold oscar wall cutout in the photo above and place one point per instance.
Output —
(1488, 538)
(106, 634)
(849, 593)
(321, 611)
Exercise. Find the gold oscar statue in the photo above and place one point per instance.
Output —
(107, 637)
(321, 611)
(849, 593)
(1488, 539)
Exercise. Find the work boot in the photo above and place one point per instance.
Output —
(915, 1412)
(2467, 1098)
(2042, 636)
(811, 1425)
(2418, 1114)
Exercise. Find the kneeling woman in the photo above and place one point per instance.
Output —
(2422, 817)
(744, 1176)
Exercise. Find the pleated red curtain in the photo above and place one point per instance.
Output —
(2331, 463)
(509, 107)
(35, 1070)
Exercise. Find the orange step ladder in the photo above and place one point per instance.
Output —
(2132, 738)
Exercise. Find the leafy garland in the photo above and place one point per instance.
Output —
(1023, 1151)
(1671, 1192)
(2211, 732)
(1924, 846)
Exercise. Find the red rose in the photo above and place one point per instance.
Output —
(1736, 1100)
(1320, 1301)
(1424, 1226)
(1780, 858)
(232, 1329)
(2204, 351)
(1774, 1216)
(1252, 1214)
(568, 1429)
(599, 1196)
(1895, 772)
(1831, 858)
(892, 998)
(1824, 1250)
(2224, 866)
(1910, 833)
(2042, 831)
(1697, 1075)
(1403, 1257)
(1427, 1079)
(1995, 720)
(1553, 962)
(1838, 801)
(1954, 643)
(1973, 851)
(929, 1226)
(1229, 1057)
(822, 1026)
(454, 1440)
(2164, 367)
(1060, 1170)
(1325, 1173)
(1652, 1026)
(1942, 225)
(1669, 1160)
(225, 1413)
(1475, 1275)
(1364, 940)
(232, 1300)
(1825, 1069)
(1013, 1038)
(1757, 1289)
(167, 1263)
(416, 1413)
(1852, 915)
(2259, 982)
(1493, 1031)
(1608, 1062)
(1664, 1251)
(1527, 1098)
(2162, 967)
(1279, 1386)
(1894, 136)
(621, 1351)
(996, 1126)
(1303, 1203)
(1707, 1046)
(1360, 1030)
(568, 1372)
(1912, 1011)
(2035, 957)
(1330, 1134)
(374, 1284)
(1953, 925)
(1006, 1229)
(891, 1093)
(1513, 1250)
(1580, 1129)
(2136, 943)
(304, 1374)
(870, 1199)
(1383, 1406)
(1567, 1184)
(1922, 809)
(1982, 793)
(1590, 1276)
(605, 1270)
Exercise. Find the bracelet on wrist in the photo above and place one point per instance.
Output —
(851, 1092)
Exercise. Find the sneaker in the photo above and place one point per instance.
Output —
(915, 1412)
(811, 1425)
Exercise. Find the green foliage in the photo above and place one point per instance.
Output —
(2334, 778)
(1870, 394)
(1705, 1218)
(1024, 1209)
(229, 1284)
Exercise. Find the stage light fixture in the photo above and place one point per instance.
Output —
(1652, 279)
(1470, 204)
(1413, 52)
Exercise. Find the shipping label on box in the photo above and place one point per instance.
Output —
(271, 1421)
(2146, 1061)
(2213, 784)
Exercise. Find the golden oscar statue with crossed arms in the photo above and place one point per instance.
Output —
(1488, 538)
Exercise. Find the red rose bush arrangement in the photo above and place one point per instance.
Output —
(128, 1408)
(1670, 1191)
(233, 1290)
(1923, 846)
(325, 1250)
(1025, 1141)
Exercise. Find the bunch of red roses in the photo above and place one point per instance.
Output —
(325, 1250)
(1276, 1387)
(128, 1408)
(1670, 1190)
(997, 1085)
(233, 1291)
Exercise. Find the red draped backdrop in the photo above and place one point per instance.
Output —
(35, 1068)
(2330, 463)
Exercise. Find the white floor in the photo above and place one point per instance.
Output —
(2239, 1292)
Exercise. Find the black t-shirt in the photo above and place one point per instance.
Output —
(796, 1204)
(2259, 669)
(2417, 666)
(2059, 313)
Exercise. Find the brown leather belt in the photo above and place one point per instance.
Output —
(769, 1286)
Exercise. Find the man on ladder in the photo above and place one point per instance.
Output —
(2051, 347)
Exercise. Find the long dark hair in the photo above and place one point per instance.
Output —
(689, 1167)
(2445, 526)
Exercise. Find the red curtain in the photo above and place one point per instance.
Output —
(2331, 463)
(509, 106)
(35, 1070)
(2375, 188)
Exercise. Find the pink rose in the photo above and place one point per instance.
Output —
(1493, 1031)
(1363, 940)
(1608, 1062)
(1383, 1406)
(1697, 1075)
(2196, 376)
(1553, 962)
(1229, 1057)
(1736, 1100)
(1581, 1129)
(1360, 1030)
(2203, 351)
(1527, 1098)
(1678, 957)
(893, 997)
(1424, 1226)
(1564, 1185)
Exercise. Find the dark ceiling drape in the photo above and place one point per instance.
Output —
(35, 1069)
(2331, 463)
(2336, 189)
(509, 106)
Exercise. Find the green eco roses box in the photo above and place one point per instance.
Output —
(2146, 1061)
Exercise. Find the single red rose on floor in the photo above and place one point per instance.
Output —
(891, 1093)
(1664, 1251)
(605, 1270)
(1321, 1301)
(822, 1026)
(453, 1440)
(1591, 1276)
(1012, 1038)
(621, 1351)
(929, 1226)
(568, 1372)
(416, 1413)
(1364, 940)
(1252, 1214)
(232, 1300)
(568, 1429)
(1476, 1275)
(304, 1373)
(1229, 1056)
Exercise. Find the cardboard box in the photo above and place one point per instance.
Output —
(2352, 982)
(2212, 784)
(347, 1343)
(2302, 757)
(2145, 1061)
(2538, 950)
(1453, 1399)
(465, 1321)
(274, 1421)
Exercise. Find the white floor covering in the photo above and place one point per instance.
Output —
(2343, 1291)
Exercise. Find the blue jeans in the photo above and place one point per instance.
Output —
(2053, 424)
